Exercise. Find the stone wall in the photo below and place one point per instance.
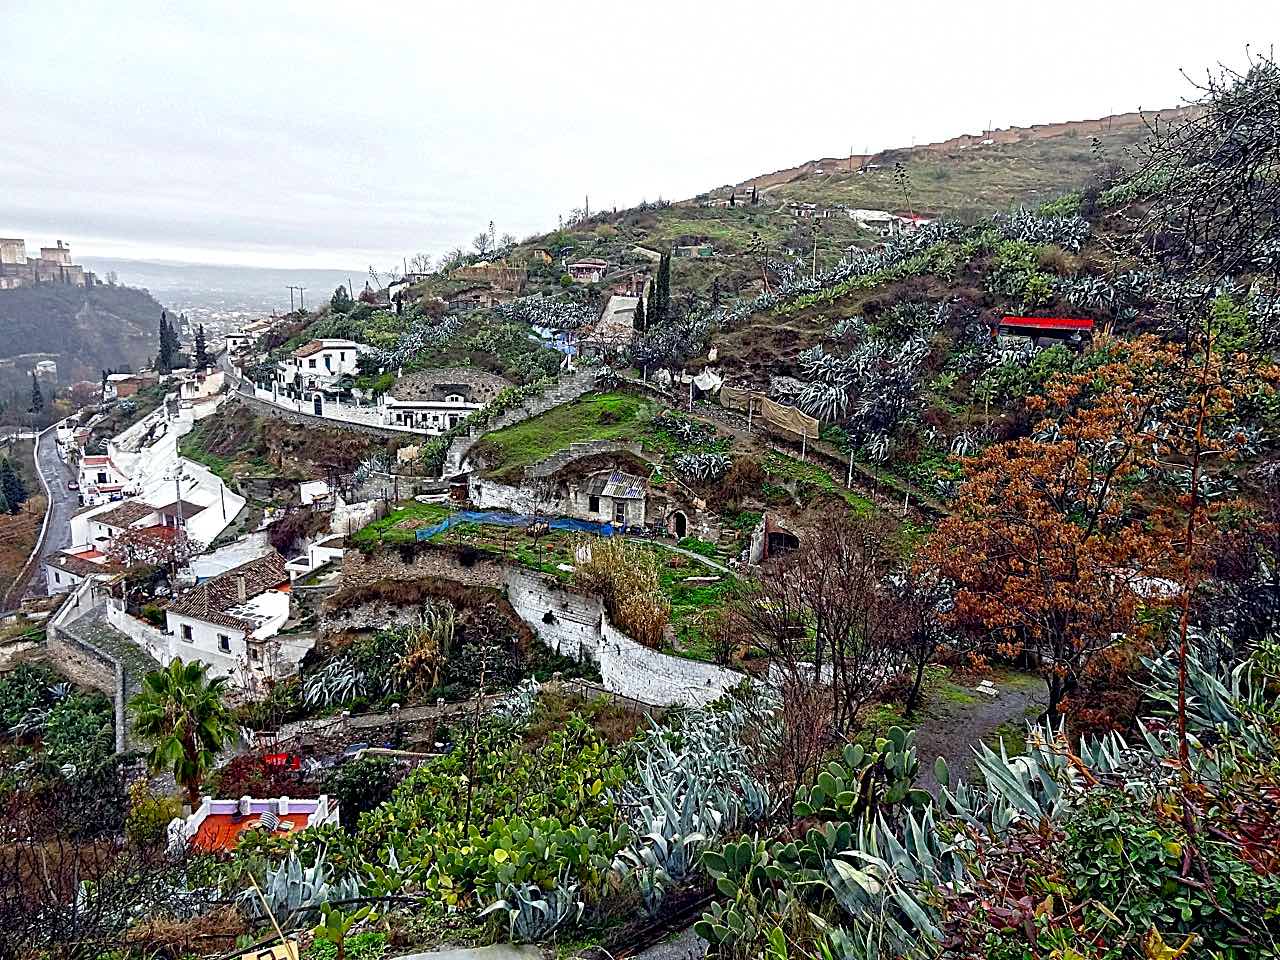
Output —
(84, 663)
(415, 562)
(576, 626)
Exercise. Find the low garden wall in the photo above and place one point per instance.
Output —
(576, 626)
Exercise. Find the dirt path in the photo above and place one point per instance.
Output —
(957, 718)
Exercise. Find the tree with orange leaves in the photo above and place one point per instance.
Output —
(1059, 539)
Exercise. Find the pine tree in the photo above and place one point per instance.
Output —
(37, 398)
(715, 292)
(637, 319)
(11, 485)
(202, 351)
(755, 197)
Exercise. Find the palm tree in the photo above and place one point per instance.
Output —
(181, 710)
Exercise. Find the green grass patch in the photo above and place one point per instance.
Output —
(400, 526)
(1012, 733)
(703, 548)
(606, 416)
(811, 478)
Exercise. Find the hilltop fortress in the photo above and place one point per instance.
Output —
(52, 266)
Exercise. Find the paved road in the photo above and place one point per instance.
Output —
(62, 504)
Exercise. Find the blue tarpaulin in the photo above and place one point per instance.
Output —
(499, 518)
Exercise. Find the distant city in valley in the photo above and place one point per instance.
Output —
(219, 295)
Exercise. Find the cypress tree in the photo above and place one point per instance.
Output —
(660, 303)
(11, 485)
(202, 353)
(637, 318)
(164, 359)
(37, 398)
(4, 505)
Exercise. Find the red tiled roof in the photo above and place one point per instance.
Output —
(211, 600)
(129, 512)
(306, 350)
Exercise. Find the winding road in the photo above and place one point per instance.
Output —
(55, 534)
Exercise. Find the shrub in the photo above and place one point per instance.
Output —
(361, 785)
(147, 822)
(625, 576)
(153, 614)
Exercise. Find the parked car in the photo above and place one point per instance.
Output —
(72, 485)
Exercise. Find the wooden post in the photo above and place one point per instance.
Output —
(804, 444)
(849, 483)
(750, 401)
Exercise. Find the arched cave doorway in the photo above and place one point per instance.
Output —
(679, 525)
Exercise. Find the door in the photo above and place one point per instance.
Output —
(680, 525)
(319, 405)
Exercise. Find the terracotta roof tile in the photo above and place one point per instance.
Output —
(211, 600)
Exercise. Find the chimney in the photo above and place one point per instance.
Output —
(241, 590)
(242, 807)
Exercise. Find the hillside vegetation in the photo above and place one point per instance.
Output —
(86, 330)
(1049, 558)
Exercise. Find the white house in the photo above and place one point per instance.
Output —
(237, 343)
(101, 480)
(437, 400)
(319, 552)
(67, 569)
(217, 825)
(319, 364)
(228, 622)
(588, 270)
(200, 385)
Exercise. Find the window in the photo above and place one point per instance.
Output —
(186, 632)
(342, 355)
(224, 643)
(594, 505)
(312, 363)
(255, 654)
(620, 511)
(57, 577)
(102, 477)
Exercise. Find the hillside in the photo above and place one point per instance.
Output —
(968, 176)
(86, 330)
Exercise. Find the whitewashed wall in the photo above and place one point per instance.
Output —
(576, 626)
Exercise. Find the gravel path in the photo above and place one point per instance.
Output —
(951, 729)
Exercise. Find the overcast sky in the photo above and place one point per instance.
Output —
(336, 135)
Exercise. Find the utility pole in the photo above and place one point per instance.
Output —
(302, 304)
(291, 299)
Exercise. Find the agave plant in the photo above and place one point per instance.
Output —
(534, 914)
(702, 466)
(292, 892)
(338, 681)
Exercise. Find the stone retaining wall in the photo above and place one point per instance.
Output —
(414, 563)
(577, 626)
(83, 662)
